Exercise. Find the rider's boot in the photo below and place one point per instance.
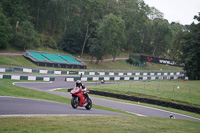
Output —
(86, 100)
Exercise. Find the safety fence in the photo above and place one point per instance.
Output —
(92, 73)
(130, 73)
(29, 70)
(147, 100)
(135, 78)
(33, 78)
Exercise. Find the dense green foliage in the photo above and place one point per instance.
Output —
(112, 34)
(5, 30)
(98, 27)
(109, 39)
(191, 50)
(26, 36)
(71, 41)
(132, 61)
(161, 36)
(72, 23)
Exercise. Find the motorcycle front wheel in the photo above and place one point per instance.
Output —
(74, 102)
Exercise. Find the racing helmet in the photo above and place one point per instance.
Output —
(78, 83)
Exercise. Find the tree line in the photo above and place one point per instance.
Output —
(96, 27)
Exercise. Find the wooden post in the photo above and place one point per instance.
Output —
(158, 86)
(190, 91)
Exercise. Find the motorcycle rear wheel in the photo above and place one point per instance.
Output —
(74, 102)
(89, 105)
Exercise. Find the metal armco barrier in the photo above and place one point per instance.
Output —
(99, 73)
(33, 78)
(135, 78)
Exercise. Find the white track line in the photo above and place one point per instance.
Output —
(25, 115)
(30, 99)
(31, 82)
(153, 109)
(55, 89)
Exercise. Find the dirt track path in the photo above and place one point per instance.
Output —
(11, 54)
(109, 59)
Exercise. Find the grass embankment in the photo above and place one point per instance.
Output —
(96, 124)
(161, 90)
(109, 65)
(21, 61)
(16, 61)
(122, 65)
(7, 89)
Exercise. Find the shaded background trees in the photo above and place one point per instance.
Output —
(26, 36)
(71, 41)
(5, 30)
(191, 50)
(87, 26)
(111, 34)
(161, 37)
(145, 29)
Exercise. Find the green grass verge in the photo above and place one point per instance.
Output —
(183, 95)
(96, 124)
(7, 89)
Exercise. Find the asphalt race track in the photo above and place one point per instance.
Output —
(67, 109)
(23, 106)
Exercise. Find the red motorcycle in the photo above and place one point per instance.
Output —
(78, 99)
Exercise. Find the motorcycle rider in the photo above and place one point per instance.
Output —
(82, 87)
(78, 84)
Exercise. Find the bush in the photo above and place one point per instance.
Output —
(71, 41)
(132, 61)
(135, 62)
(48, 41)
